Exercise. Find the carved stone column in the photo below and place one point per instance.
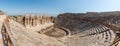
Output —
(27, 20)
(40, 19)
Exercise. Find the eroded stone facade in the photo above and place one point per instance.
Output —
(31, 20)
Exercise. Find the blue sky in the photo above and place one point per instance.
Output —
(16, 7)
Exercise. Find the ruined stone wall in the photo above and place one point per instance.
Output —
(105, 17)
(78, 22)
(32, 20)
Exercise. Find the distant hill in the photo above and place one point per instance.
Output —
(1, 12)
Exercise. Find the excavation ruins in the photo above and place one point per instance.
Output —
(67, 29)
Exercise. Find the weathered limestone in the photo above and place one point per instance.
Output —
(2, 18)
(90, 29)
(31, 20)
(83, 21)
(20, 19)
(26, 37)
(68, 29)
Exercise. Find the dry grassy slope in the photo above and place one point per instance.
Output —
(1, 12)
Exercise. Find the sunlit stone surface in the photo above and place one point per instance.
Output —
(67, 29)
